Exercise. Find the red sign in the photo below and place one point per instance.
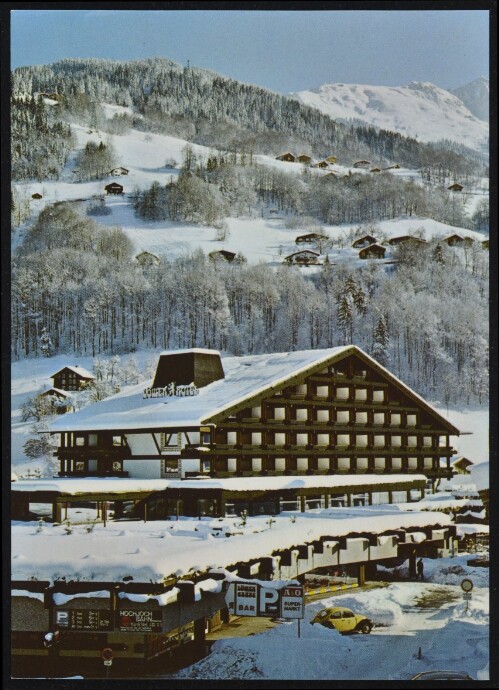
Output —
(107, 653)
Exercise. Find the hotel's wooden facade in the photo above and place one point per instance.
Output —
(347, 415)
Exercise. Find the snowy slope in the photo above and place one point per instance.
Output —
(420, 110)
(475, 97)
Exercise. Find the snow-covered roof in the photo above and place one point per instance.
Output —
(245, 378)
(88, 485)
(81, 371)
(57, 391)
(283, 483)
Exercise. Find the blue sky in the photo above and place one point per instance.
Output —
(280, 50)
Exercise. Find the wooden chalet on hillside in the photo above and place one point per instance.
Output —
(118, 171)
(286, 157)
(373, 251)
(36, 195)
(321, 164)
(362, 164)
(406, 239)
(331, 160)
(461, 465)
(223, 255)
(306, 257)
(458, 241)
(364, 241)
(72, 378)
(311, 413)
(303, 158)
(147, 259)
(310, 238)
(114, 188)
(375, 170)
(456, 187)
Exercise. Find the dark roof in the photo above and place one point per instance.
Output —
(223, 254)
(406, 238)
(375, 248)
(362, 240)
(311, 236)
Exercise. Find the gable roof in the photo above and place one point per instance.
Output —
(247, 380)
(81, 371)
(362, 240)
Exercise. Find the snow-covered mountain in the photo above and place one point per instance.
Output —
(420, 110)
(475, 97)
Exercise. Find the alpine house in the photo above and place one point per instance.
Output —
(307, 426)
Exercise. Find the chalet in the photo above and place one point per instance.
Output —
(373, 251)
(458, 241)
(375, 169)
(314, 413)
(286, 157)
(114, 188)
(330, 174)
(118, 171)
(36, 195)
(306, 257)
(303, 158)
(62, 401)
(362, 164)
(485, 244)
(223, 255)
(321, 164)
(72, 378)
(364, 242)
(310, 238)
(462, 465)
(456, 187)
(147, 260)
(393, 167)
(331, 160)
(403, 239)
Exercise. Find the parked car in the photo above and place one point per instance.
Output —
(442, 675)
(343, 620)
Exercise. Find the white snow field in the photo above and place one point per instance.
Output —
(408, 617)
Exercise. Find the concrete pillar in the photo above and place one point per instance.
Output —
(350, 500)
(390, 497)
(412, 564)
(361, 574)
(327, 500)
(408, 496)
(369, 498)
(303, 506)
(56, 511)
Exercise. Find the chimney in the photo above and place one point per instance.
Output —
(183, 367)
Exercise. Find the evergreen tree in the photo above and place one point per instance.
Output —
(46, 345)
(380, 342)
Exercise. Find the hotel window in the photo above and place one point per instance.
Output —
(443, 441)
(301, 439)
(396, 463)
(361, 440)
(301, 414)
(412, 441)
(395, 419)
(411, 420)
(396, 441)
(427, 441)
(279, 439)
(323, 464)
(232, 465)
(117, 440)
(343, 440)
(323, 439)
(379, 418)
(256, 464)
(79, 466)
(279, 413)
(343, 463)
(428, 463)
(79, 440)
(362, 463)
(256, 438)
(342, 393)
(92, 439)
(322, 391)
(301, 389)
(232, 438)
(379, 441)
(117, 466)
(360, 394)
(412, 463)
(378, 396)
(302, 464)
(205, 437)
(280, 464)
(361, 417)
(322, 415)
(379, 463)
(342, 417)
(256, 411)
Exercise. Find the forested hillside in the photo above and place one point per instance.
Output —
(208, 109)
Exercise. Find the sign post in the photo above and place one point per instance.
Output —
(467, 586)
(107, 657)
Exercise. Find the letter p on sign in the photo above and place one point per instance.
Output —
(269, 601)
